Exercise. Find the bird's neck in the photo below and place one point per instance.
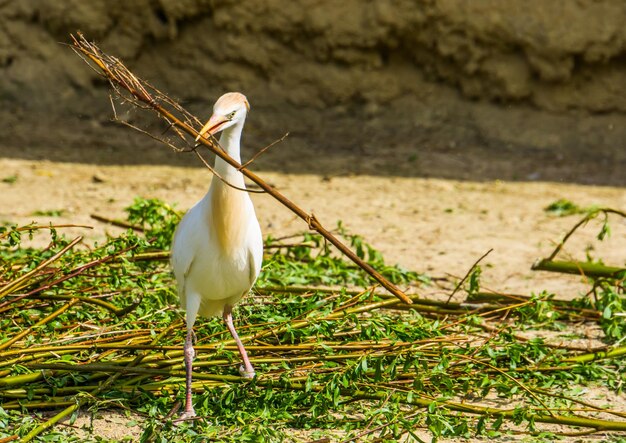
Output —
(230, 140)
(227, 206)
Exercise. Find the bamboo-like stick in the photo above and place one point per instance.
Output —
(508, 299)
(381, 344)
(599, 355)
(119, 312)
(150, 256)
(130, 369)
(36, 405)
(594, 270)
(24, 357)
(18, 380)
(119, 76)
(63, 392)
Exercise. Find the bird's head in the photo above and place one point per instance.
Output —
(229, 110)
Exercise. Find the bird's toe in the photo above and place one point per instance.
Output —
(245, 373)
(187, 415)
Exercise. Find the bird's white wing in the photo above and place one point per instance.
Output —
(184, 250)
(181, 264)
(255, 249)
(255, 268)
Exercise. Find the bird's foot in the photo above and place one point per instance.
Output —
(187, 415)
(246, 373)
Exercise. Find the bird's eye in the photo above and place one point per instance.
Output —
(231, 115)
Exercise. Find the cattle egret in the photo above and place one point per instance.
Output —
(218, 248)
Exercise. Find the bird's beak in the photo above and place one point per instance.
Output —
(214, 125)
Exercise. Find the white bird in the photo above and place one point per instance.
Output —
(218, 248)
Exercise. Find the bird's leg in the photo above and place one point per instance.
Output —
(189, 355)
(246, 370)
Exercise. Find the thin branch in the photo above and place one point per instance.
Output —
(468, 274)
(589, 216)
(118, 223)
(214, 172)
(263, 150)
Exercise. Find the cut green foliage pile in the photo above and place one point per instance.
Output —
(96, 327)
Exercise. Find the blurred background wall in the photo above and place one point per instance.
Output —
(428, 82)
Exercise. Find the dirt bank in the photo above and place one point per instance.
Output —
(555, 55)
(489, 90)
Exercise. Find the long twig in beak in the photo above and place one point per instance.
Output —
(145, 96)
